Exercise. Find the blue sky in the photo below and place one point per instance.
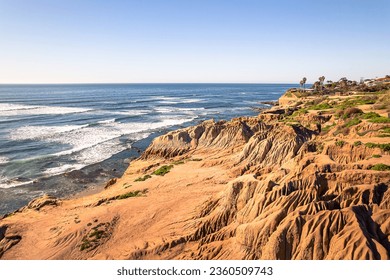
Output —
(76, 41)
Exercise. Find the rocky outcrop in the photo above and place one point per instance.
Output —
(209, 134)
(7, 241)
(41, 202)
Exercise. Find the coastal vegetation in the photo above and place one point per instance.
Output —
(383, 146)
(381, 167)
(163, 170)
(144, 178)
(130, 194)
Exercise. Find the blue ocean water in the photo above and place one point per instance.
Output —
(48, 130)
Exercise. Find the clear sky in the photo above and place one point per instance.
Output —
(81, 41)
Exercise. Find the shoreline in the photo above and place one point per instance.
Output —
(87, 177)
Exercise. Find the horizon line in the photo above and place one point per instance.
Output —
(150, 83)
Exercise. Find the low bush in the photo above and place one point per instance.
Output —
(380, 120)
(380, 167)
(352, 122)
(385, 147)
(163, 170)
(141, 179)
(357, 143)
(322, 106)
(129, 194)
(340, 143)
(370, 115)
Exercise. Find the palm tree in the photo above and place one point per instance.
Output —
(321, 82)
(304, 82)
(321, 79)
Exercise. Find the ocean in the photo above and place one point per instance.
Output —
(63, 139)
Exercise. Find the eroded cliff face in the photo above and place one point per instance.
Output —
(289, 201)
(263, 187)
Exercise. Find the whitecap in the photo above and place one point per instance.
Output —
(169, 102)
(41, 132)
(6, 183)
(11, 107)
(194, 100)
(3, 160)
(178, 100)
(62, 169)
(107, 121)
(174, 109)
(8, 109)
(132, 112)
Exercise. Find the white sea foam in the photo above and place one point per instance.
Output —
(132, 112)
(92, 144)
(98, 152)
(162, 98)
(193, 100)
(107, 121)
(41, 132)
(9, 109)
(62, 169)
(169, 102)
(6, 183)
(3, 160)
(177, 100)
(173, 109)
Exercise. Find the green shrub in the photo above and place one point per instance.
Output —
(321, 106)
(376, 156)
(141, 179)
(357, 143)
(129, 194)
(385, 147)
(340, 143)
(163, 170)
(371, 145)
(380, 120)
(348, 103)
(178, 162)
(352, 122)
(384, 135)
(299, 112)
(328, 127)
(380, 167)
(386, 130)
(370, 115)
